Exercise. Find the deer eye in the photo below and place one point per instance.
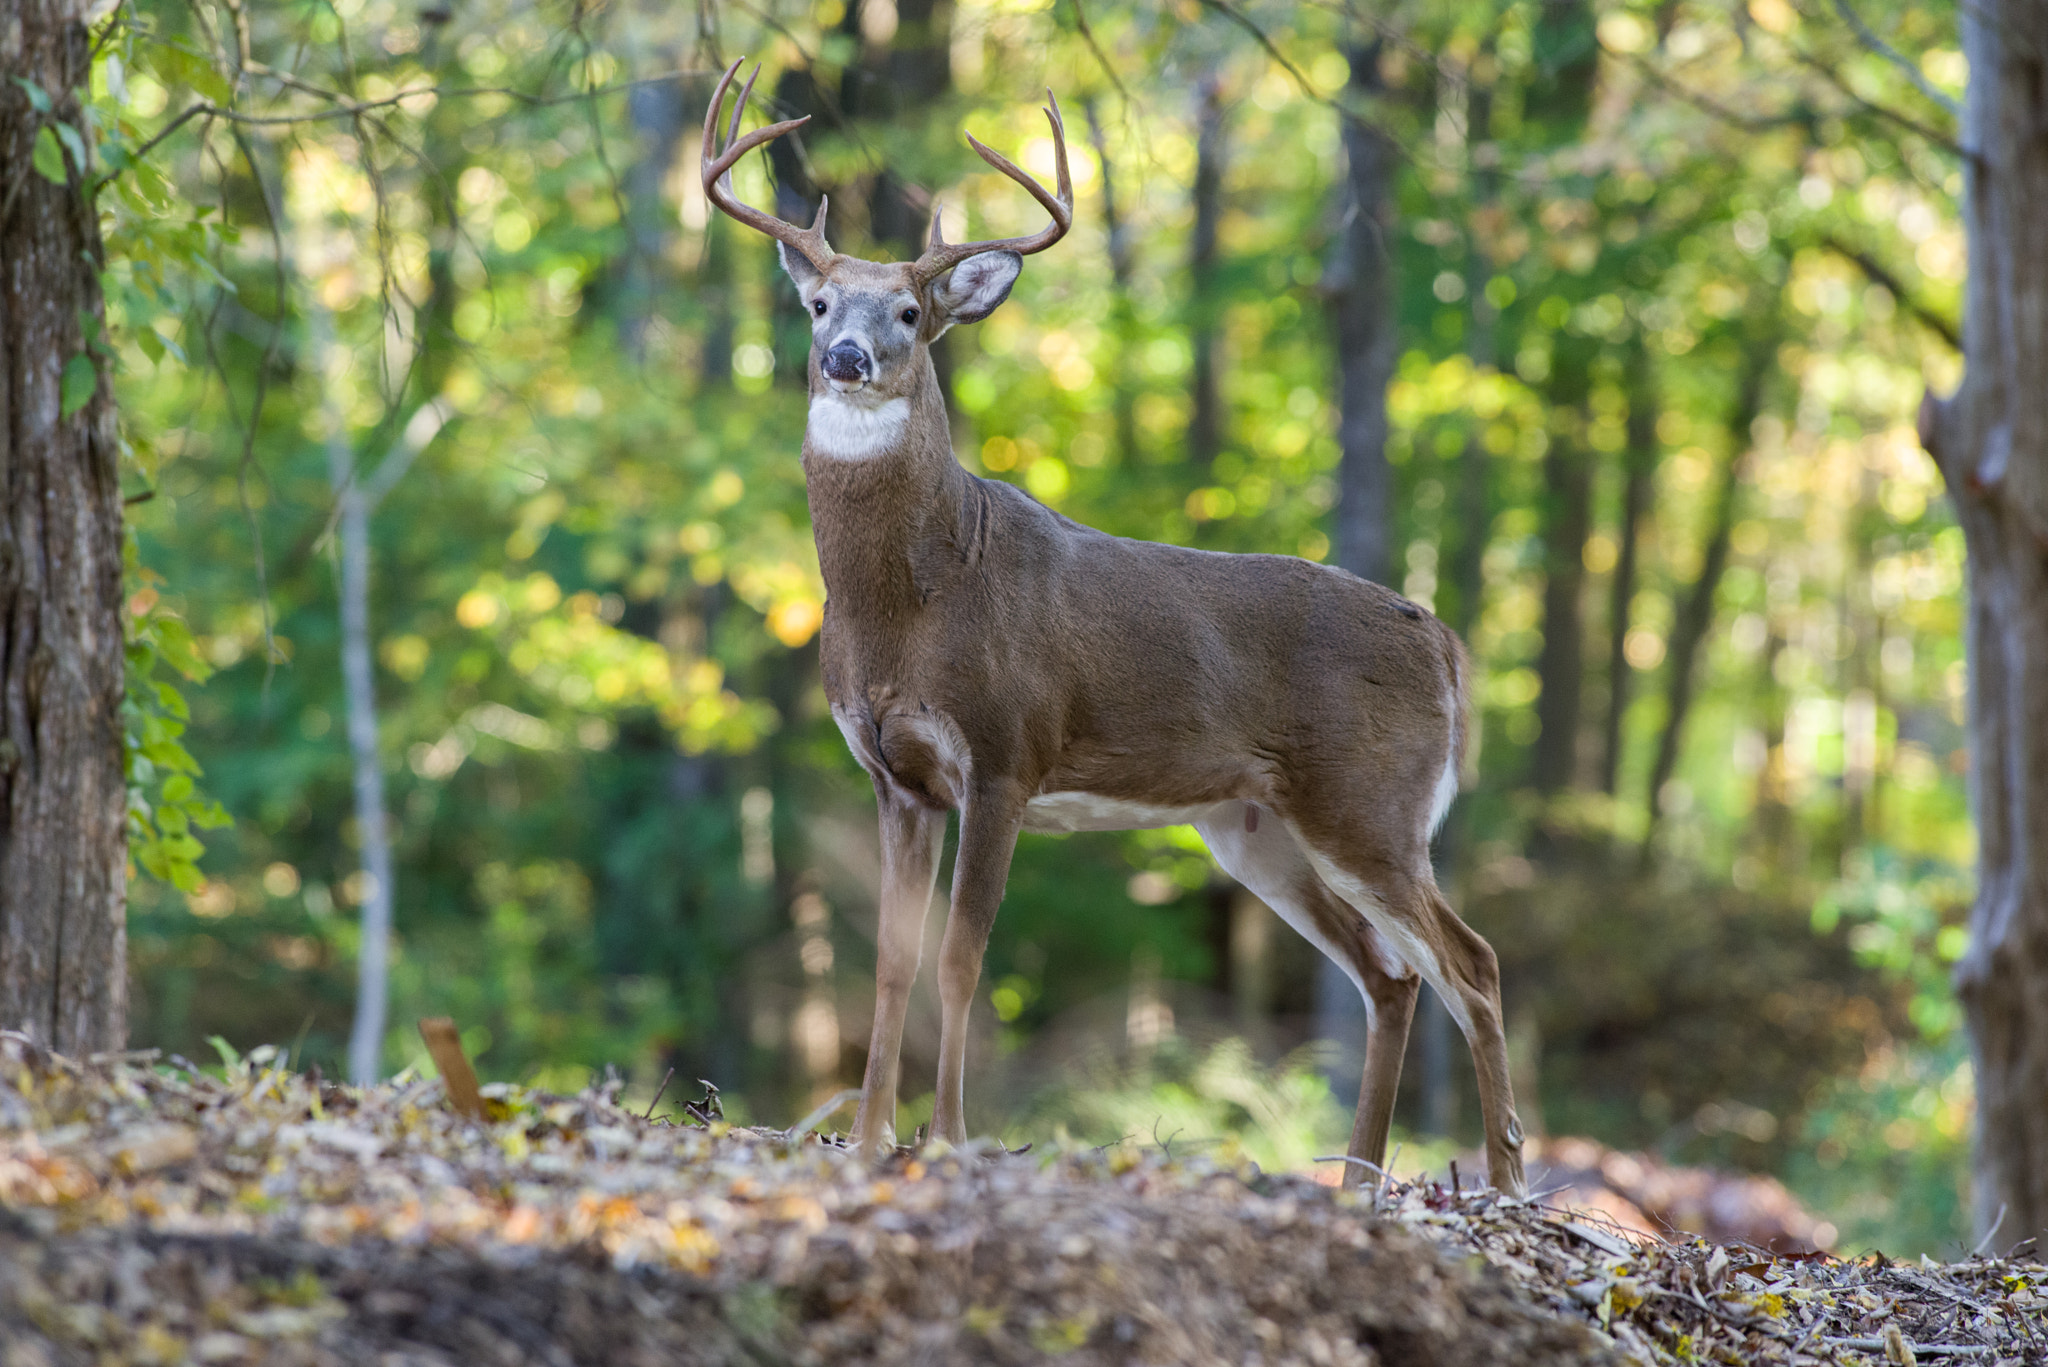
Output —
(818, 307)
(910, 317)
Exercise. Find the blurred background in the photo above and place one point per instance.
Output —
(1645, 294)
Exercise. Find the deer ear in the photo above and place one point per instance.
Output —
(799, 268)
(971, 291)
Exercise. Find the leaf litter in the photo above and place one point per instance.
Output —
(153, 1213)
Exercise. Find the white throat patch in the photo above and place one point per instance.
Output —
(844, 429)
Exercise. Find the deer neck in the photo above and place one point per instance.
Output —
(884, 491)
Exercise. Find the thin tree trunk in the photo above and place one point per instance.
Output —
(659, 111)
(1639, 469)
(1568, 516)
(1205, 394)
(63, 799)
(1991, 442)
(1696, 613)
(1122, 317)
(366, 1037)
(1555, 108)
(1360, 285)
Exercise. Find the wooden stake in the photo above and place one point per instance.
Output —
(456, 1074)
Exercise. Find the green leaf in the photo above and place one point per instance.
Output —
(48, 158)
(79, 381)
(196, 72)
(228, 1054)
(37, 96)
(152, 345)
(75, 143)
(178, 788)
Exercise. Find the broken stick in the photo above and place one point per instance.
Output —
(456, 1075)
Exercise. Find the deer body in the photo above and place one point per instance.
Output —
(984, 654)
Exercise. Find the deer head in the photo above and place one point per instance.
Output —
(873, 323)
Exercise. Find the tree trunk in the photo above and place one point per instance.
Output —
(1205, 391)
(1639, 469)
(1991, 442)
(1360, 283)
(1696, 613)
(1555, 108)
(63, 799)
(660, 112)
(1122, 316)
(1567, 517)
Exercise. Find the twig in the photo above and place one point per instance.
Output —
(1700, 100)
(1876, 270)
(657, 1094)
(1898, 59)
(1996, 1225)
(1933, 1350)
(1088, 37)
(821, 1114)
(1243, 21)
(1905, 121)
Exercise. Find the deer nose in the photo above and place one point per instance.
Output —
(846, 361)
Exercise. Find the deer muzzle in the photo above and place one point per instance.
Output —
(846, 362)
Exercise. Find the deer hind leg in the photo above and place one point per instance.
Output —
(1411, 915)
(1260, 851)
(911, 836)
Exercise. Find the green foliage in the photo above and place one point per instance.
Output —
(164, 804)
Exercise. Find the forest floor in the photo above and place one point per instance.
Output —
(159, 1215)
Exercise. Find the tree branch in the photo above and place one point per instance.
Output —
(1898, 59)
(1878, 274)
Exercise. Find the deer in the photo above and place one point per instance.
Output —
(985, 655)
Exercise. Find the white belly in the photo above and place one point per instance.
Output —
(1050, 812)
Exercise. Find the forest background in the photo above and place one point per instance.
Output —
(1645, 295)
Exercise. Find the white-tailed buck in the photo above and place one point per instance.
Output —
(985, 655)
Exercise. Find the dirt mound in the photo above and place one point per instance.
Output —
(156, 1214)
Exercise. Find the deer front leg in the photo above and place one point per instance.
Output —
(989, 821)
(911, 836)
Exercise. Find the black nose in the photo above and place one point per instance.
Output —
(845, 361)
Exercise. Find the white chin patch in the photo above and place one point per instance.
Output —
(843, 428)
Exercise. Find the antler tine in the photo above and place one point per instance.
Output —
(941, 256)
(717, 167)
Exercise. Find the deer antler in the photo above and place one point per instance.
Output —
(718, 166)
(941, 256)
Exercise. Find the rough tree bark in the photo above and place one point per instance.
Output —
(1991, 442)
(63, 851)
